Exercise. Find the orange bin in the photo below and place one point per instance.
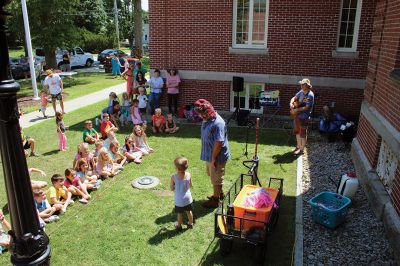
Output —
(260, 214)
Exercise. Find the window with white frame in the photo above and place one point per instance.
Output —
(250, 23)
(249, 98)
(349, 25)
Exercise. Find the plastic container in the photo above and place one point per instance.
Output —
(348, 185)
(329, 209)
(257, 214)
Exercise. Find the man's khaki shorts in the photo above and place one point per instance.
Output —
(216, 174)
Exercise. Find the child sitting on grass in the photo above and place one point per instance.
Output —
(117, 158)
(158, 121)
(87, 178)
(110, 138)
(106, 125)
(58, 195)
(4, 236)
(75, 186)
(105, 166)
(140, 139)
(43, 206)
(85, 153)
(98, 145)
(181, 182)
(131, 152)
(90, 134)
(171, 125)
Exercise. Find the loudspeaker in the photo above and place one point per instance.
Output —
(243, 117)
(238, 84)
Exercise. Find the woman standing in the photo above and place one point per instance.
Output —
(66, 62)
(115, 66)
(173, 81)
(156, 84)
(140, 81)
(128, 76)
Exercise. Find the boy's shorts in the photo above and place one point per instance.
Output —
(183, 209)
(43, 108)
(216, 174)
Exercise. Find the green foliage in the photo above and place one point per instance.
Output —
(95, 43)
(92, 16)
(15, 24)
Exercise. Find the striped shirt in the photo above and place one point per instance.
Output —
(211, 131)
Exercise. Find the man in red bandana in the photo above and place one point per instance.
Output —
(214, 148)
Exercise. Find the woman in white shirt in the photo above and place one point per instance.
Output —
(156, 84)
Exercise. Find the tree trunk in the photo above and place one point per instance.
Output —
(50, 58)
(137, 8)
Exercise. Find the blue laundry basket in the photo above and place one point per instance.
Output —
(329, 209)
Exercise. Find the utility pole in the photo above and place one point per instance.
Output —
(116, 22)
(29, 48)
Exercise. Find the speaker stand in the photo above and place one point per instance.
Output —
(235, 114)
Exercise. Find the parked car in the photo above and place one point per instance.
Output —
(106, 53)
(19, 68)
(78, 56)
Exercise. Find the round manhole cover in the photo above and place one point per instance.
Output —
(145, 182)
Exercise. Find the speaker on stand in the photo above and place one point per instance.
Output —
(237, 86)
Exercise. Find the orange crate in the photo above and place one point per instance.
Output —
(260, 214)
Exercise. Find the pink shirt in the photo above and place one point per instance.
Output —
(173, 79)
(74, 183)
(43, 100)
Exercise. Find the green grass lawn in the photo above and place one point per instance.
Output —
(16, 52)
(82, 84)
(126, 226)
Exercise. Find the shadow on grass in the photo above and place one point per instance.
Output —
(198, 212)
(40, 118)
(50, 152)
(285, 158)
(163, 234)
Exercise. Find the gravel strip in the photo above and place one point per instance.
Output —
(361, 239)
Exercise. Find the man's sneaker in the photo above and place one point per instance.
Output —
(211, 203)
(190, 226)
(221, 196)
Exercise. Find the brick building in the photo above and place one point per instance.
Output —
(271, 44)
(376, 150)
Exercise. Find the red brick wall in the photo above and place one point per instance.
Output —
(369, 140)
(196, 35)
(381, 92)
(395, 195)
(348, 101)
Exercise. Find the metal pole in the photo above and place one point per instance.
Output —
(116, 22)
(29, 48)
(29, 243)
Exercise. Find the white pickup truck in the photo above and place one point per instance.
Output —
(78, 57)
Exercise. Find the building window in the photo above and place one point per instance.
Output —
(250, 23)
(349, 25)
(248, 98)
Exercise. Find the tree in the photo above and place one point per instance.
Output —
(52, 25)
(137, 8)
(91, 15)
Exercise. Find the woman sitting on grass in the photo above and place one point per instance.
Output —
(75, 186)
(105, 166)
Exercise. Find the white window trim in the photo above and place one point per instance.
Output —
(234, 45)
(246, 105)
(356, 28)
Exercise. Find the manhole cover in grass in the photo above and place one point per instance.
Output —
(145, 182)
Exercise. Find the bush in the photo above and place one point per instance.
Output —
(95, 43)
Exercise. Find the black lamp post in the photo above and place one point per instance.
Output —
(29, 243)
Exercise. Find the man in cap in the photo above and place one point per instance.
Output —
(55, 85)
(214, 148)
(301, 106)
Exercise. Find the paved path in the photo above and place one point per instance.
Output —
(36, 117)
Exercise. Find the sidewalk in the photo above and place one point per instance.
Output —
(36, 117)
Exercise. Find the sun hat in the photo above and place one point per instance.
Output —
(305, 81)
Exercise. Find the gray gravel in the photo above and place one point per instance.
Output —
(361, 239)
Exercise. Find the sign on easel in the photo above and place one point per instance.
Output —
(269, 98)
